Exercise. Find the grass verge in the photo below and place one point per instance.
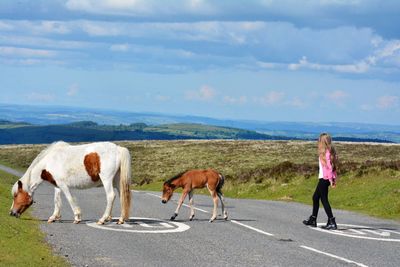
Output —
(21, 241)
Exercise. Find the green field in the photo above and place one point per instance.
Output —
(279, 170)
(21, 241)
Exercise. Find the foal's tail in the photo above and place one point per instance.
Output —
(220, 183)
(124, 182)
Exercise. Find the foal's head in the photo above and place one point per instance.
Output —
(168, 190)
(22, 200)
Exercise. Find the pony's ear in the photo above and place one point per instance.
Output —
(19, 184)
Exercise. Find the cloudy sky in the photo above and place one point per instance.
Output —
(269, 60)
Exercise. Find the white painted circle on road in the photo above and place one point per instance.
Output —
(142, 225)
(363, 232)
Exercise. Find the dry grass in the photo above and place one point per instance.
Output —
(239, 161)
(282, 170)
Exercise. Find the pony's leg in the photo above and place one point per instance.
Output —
(75, 208)
(215, 200)
(110, 194)
(119, 196)
(57, 206)
(180, 202)
(191, 205)
(221, 198)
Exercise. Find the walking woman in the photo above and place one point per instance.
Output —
(327, 177)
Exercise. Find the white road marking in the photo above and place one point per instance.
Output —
(166, 225)
(334, 256)
(173, 227)
(380, 232)
(383, 233)
(354, 231)
(306, 247)
(233, 221)
(252, 228)
(145, 224)
(154, 195)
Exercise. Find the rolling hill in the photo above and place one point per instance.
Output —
(171, 126)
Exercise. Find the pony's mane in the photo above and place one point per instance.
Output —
(175, 177)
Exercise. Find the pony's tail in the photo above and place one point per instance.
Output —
(220, 183)
(124, 182)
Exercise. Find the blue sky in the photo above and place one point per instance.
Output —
(269, 60)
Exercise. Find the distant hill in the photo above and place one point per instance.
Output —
(53, 115)
(90, 131)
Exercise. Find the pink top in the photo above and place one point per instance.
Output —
(327, 172)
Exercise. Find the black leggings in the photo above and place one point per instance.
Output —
(321, 192)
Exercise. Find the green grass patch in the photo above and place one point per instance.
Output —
(21, 241)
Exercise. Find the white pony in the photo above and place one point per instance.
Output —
(77, 166)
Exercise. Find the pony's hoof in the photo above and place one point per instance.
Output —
(100, 222)
(173, 217)
(211, 220)
(77, 221)
(53, 219)
(120, 222)
(191, 218)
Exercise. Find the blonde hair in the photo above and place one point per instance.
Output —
(324, 144)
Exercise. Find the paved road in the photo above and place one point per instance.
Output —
(260, 233)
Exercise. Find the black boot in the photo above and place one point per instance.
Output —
(312, 221)
(331, 224)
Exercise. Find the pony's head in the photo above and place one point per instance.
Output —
(22, 200)
(168, 191)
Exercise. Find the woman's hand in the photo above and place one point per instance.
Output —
(333, 183)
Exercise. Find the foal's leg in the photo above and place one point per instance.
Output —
(57, 206)
(221, 198)
(110, 194)
(180, 202)
(215, 200)
(75, 208)
(191, 205)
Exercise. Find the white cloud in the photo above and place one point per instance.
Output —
(387, 102)
(205, 93)
(358, 67)
(235, 100)
(53, 27)
(5, 26)
(119, 47)
(140, 8)
(296, 102)
(102, 29)
(73, 90)
(43, 42)
(271, 98)
(337, 97)
(25, 52)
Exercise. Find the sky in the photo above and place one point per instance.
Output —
(266, 60)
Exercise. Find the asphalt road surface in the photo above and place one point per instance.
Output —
(258, 233)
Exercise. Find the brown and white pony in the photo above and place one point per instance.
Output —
(190, 180)
(81, 166)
